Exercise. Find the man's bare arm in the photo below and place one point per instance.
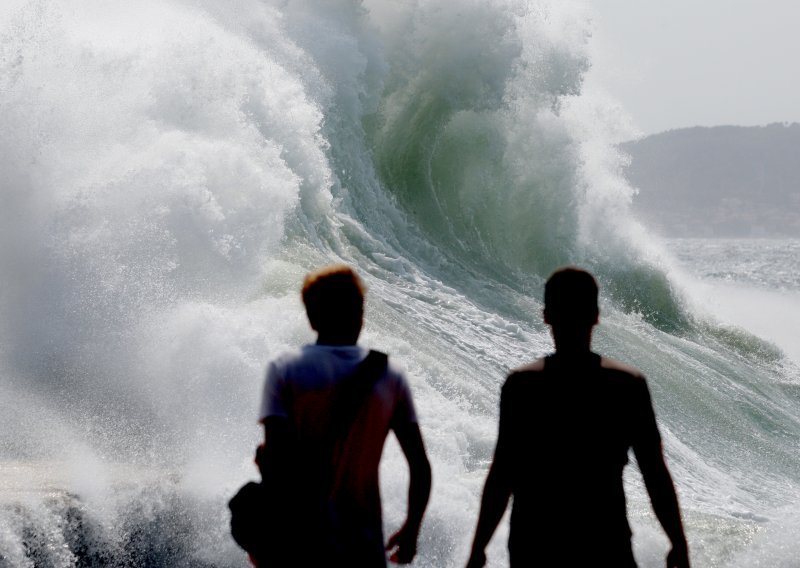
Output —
(403, 544)
(649, 454)
(498, 488)
(661, 489)
(496, 494)
(272, 454)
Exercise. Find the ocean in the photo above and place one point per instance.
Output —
(169, 171)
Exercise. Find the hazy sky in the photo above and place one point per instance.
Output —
(699, 62)
(682, 63)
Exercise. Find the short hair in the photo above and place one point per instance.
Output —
(334, 298)
(570, 298)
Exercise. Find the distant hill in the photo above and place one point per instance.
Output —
(725, 181)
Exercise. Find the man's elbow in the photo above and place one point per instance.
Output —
(420, 470)
(658, 481)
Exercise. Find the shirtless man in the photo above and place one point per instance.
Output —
(567, 422)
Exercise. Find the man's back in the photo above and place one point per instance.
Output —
(340, 496)
(566, 428)
(566, 425)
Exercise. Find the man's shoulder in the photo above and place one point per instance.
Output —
(532, 367)
(623, 380)
(313, 355)
(524, 374)
(289, 359)
(621, 368)
(536, 371)
(315, 365)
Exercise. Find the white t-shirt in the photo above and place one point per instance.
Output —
(300, 385)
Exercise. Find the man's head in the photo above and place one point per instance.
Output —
(334, 300)
(570, 299)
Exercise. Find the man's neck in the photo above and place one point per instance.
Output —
(573, 342)
(573, 350)
(336, 340)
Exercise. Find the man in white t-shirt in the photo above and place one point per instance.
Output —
(328, 459)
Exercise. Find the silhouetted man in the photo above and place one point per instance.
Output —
(336, 519)
(566, 424)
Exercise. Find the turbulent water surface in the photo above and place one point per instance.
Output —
(170, 170)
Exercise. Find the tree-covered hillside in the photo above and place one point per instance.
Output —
(721, 181)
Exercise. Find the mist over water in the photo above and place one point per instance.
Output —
(170, 170)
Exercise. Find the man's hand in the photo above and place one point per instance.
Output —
(402, 546)
(678, 557)
(477, 559)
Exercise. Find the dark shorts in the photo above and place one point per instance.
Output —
(574, 555)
